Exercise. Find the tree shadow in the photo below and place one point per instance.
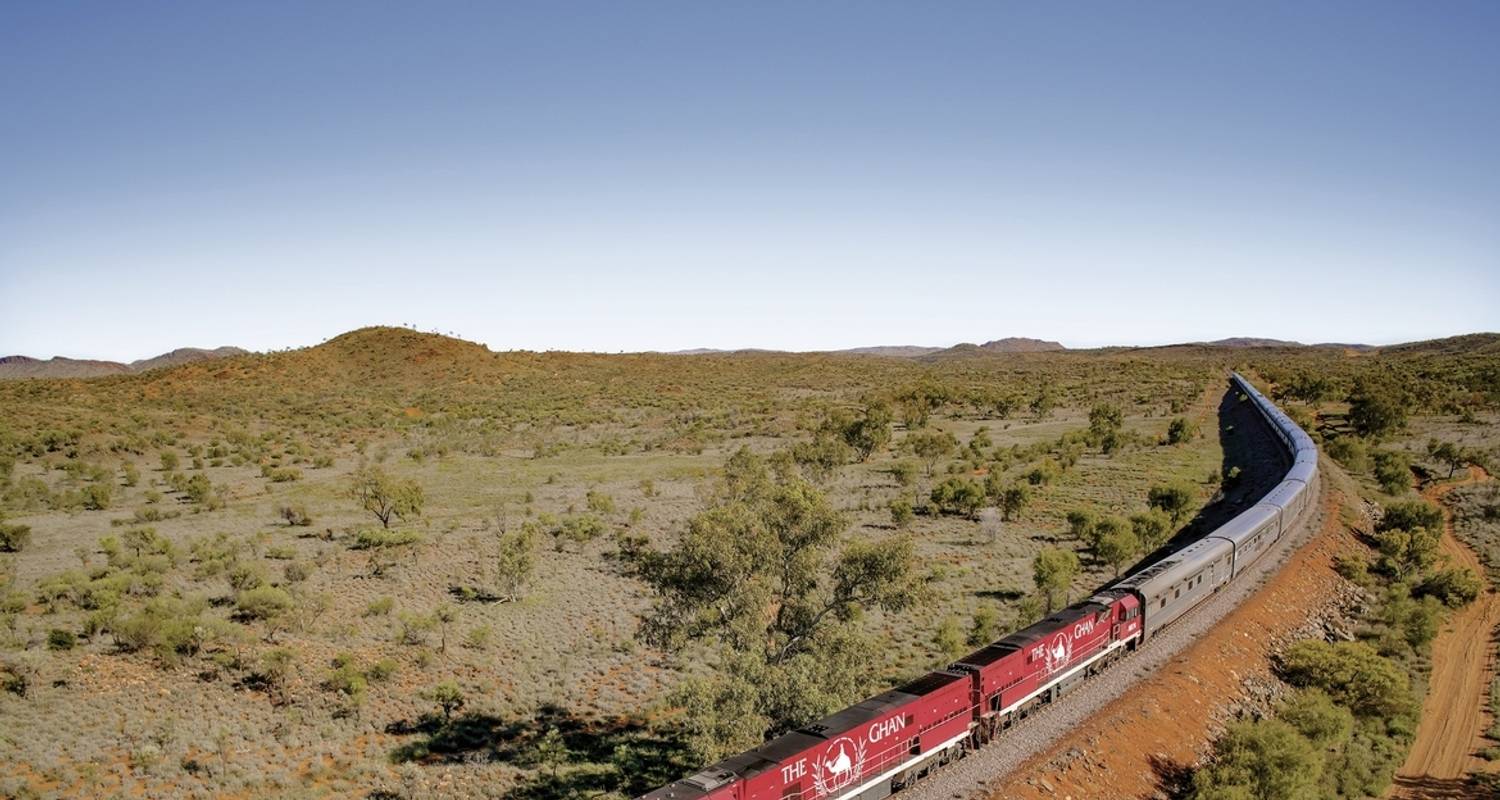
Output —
(1249, 446)
(598, 755)
(474, 594)
(1174, 779)
(1430, 788)
(1006, 595)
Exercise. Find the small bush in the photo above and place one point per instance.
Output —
(901, 512)
(264, 603)
(1181, 430)
(381, 538)
(59, 639)
(295, 516)
(380, 607)
(381, 670)
(1452, 587)
(14, 538)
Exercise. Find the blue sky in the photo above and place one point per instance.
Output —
(625, 176)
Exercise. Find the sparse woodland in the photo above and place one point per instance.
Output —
(401, 565)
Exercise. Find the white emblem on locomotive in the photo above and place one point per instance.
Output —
(839, 766)
(1058, 653)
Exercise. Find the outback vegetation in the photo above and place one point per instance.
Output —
(1345, 726)
(401, 563)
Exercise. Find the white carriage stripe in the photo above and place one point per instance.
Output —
(1048, 685)
(929, 755)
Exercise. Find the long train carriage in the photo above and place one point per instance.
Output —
(885, 743)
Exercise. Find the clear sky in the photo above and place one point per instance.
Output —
(655, 175)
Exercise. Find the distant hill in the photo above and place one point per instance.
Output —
(59, 367)
(892, 351)
(185, 355)
(1021, 344)
(1250, 341)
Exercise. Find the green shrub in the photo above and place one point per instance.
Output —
(1176, 499)
(1349, 451)
(600, 503)
(59, 639)
(380, 538)
(1267, 759)
(381, 670)
(380, 607)
(901, 512)
(1181, 430)
(1453, 588)
(1393, 471)
(958, 496)
(14, 538)
(1353, 674)
(264, 603)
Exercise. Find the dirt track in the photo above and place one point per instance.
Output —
(1455, 713)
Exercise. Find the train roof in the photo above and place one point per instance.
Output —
(711, 778)
(840, 722)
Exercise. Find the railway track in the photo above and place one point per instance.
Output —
(993, 701)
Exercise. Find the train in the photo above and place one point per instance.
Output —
(885, 743)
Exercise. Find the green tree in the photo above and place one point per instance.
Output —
(958, 495)
(1393, 471)
(1152, 527)
(1181, 430)
(448, 697)
(1266, 760)
(1176, 499)
(386, 497)
(551, 751)
(1354, 674)
(1117, 546)
(1053, 571)
(1081, 523)
(871, 432)
(986, 627)
(1377, 409)
(1042, 405)
(1314, 714)
(949, 638)
(517, 560)
(901, 512)
(1453, 588)
(1013, 500)
(931, 446)
(267, 604)
(1105, 421)
(445, 614)
(276, 669)
(1407, 537)
(757, 574)
(1448, 453)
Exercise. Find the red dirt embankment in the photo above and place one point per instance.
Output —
(1455, 713)
(1162, 724)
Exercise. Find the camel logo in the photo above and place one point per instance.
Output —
(839, 766)
(1058, 653)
